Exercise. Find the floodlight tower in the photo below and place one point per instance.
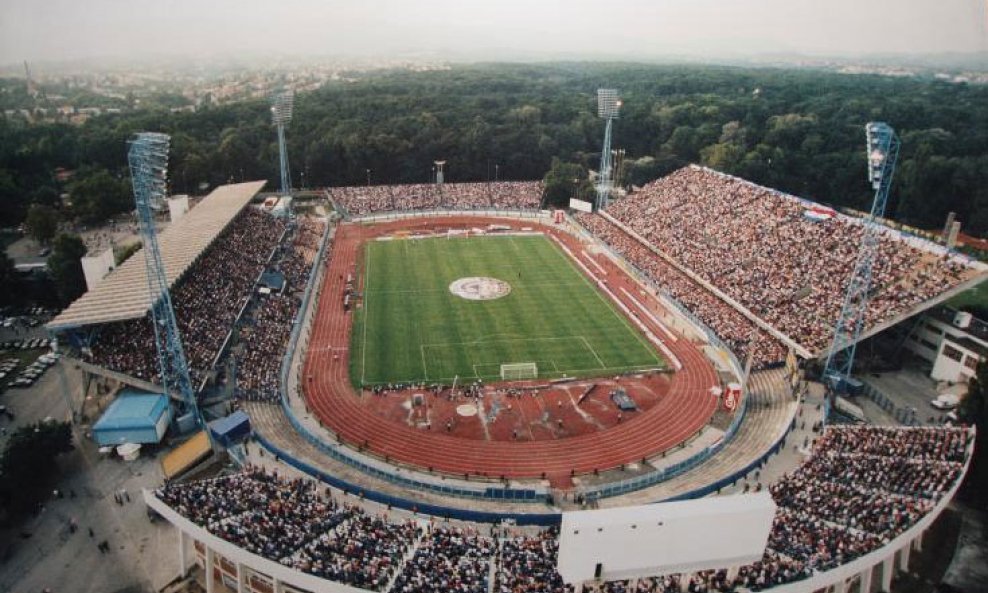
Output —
(883, 151)
(281, 114)
(148, 160)
(608, 106)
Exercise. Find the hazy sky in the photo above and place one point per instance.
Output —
(66, 29)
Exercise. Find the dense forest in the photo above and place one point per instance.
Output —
(801, 131)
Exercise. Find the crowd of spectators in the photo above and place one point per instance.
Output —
(737, 331)
(371, 199)
(290, 521)
(267, 327)
(360, 550)
(862, 487)
(206, 302)
(263, 339)
(454, 559)
(759, 247)
(528, 565)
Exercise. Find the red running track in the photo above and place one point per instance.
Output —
(330, 396)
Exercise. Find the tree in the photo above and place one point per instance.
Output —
(27, 467)
(123, 253)
(11, 199)
(97, 195)
(722, 157)
(10, 282)
(974, 411)
(565, 181)
(42, 222)
(798, 131)
(65, 267)
(46, 195)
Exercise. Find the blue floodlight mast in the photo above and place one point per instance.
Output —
(281, 114)
(608, 108)
(148, 160)
(883, 151)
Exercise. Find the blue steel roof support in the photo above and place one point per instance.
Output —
(148, 160)
(882, 152)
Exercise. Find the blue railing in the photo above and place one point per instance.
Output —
(541, 519)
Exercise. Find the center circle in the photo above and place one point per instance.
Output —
(480, 288)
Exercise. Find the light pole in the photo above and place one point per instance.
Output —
(368, 177)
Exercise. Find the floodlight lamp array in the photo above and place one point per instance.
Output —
(608, 103)
(880, 137)
(281, 108)
(148, 158)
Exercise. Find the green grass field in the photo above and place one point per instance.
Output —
(412, 328)
(976, 297)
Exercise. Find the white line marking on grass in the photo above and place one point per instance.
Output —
(574, 262)
(496, 338)
(594, 352)
(569, 373)
(425, 367)
(363, 349)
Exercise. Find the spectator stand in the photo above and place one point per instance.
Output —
(520, 214)
(240, 313)
(356, 202)
(817, 542)
(711, 288)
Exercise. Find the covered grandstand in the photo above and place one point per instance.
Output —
(772, 267)
(124, 293)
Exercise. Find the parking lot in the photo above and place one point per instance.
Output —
(43, 551)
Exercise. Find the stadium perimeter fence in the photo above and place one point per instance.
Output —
(392, 474)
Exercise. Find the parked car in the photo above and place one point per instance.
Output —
(947, 401)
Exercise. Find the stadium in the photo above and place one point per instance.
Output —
(450, 383)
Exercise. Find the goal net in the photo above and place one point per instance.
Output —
(519, 370)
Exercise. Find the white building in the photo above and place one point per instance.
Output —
(952, 341)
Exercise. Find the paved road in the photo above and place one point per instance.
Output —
(42, 552)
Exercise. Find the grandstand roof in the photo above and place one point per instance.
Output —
(123, 294)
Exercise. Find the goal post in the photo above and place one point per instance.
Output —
(515, 371)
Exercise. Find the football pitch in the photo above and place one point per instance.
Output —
(412, 328)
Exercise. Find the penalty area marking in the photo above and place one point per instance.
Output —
(594, 352)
